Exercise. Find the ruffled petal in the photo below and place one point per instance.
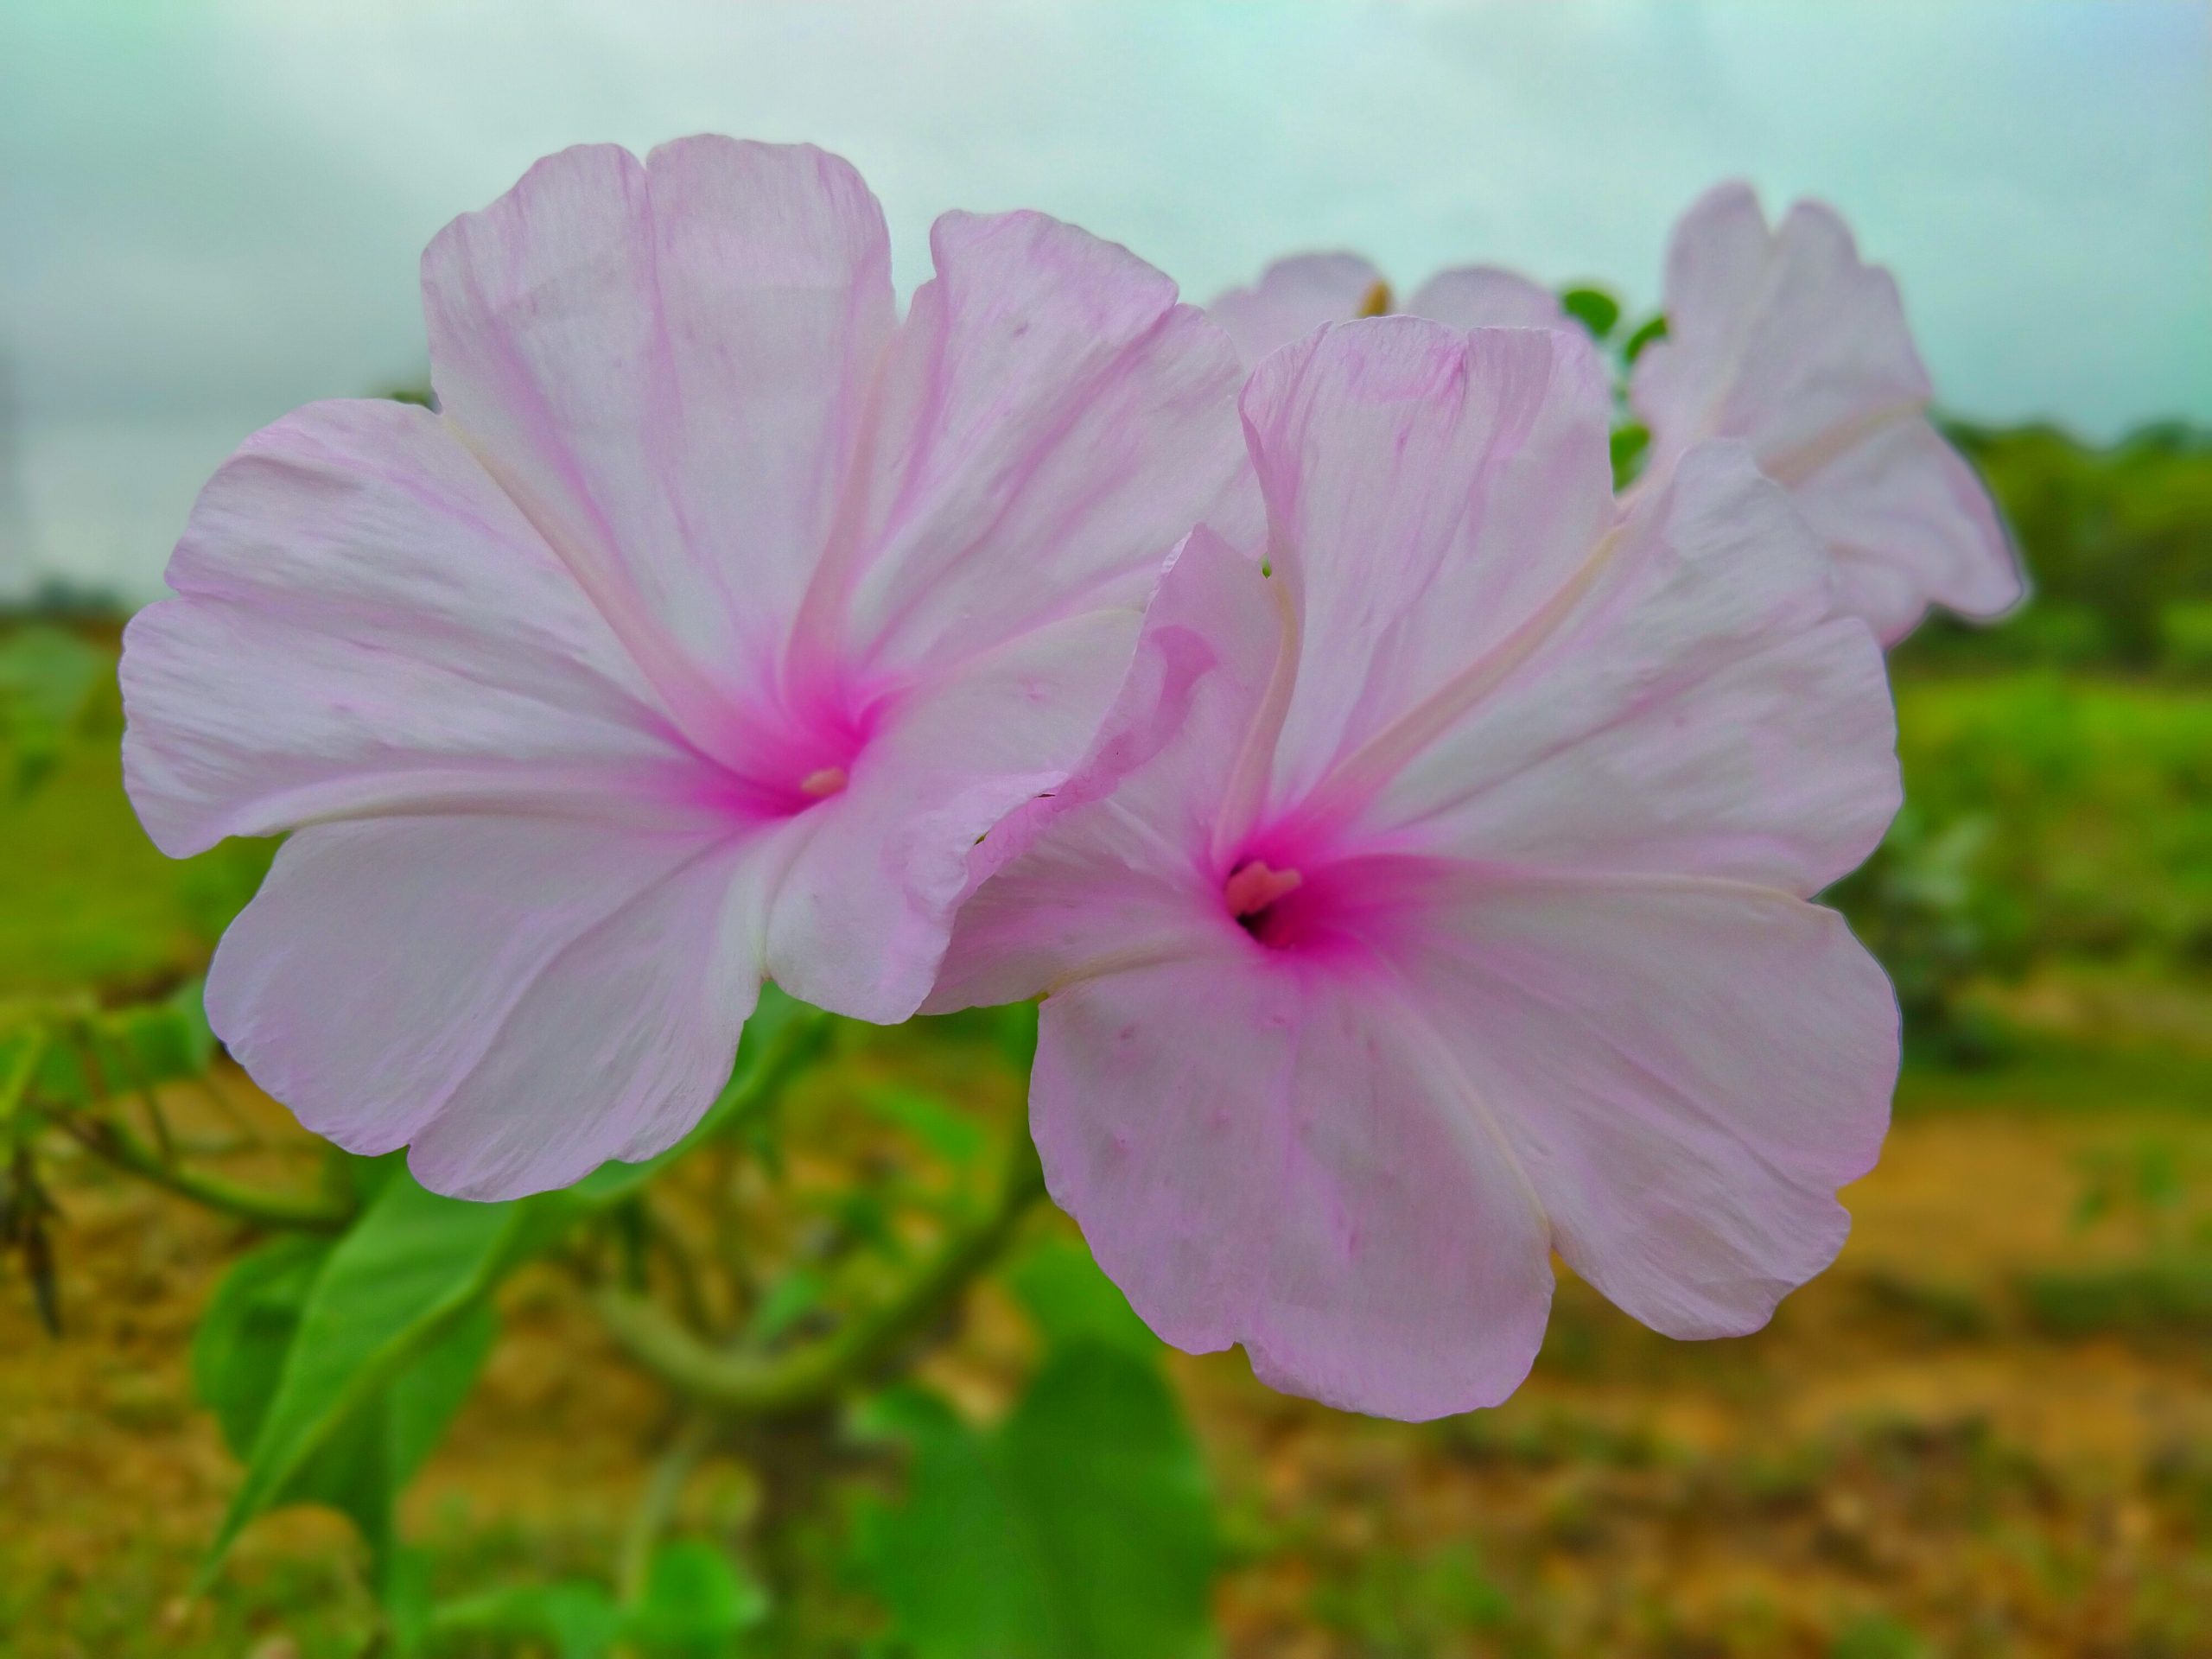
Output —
(519, 1000)
(1909, 522)
(1294, 296)
(1052, 424)
(1428, 492)
(1116, 863)
(1689, 712)
(665, 362)
(1790, 342)
(1717, 265)
(1686, 1069)
(1295, 1164)
(1485, 297)
(365, 623)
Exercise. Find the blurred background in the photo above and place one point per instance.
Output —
(1986, 1431)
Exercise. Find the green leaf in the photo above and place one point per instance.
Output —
(576, 1619)
(1592, 308)
(695, 1604)
(365, 1464)
(793, 1296)
(363, 1178)
(1080, 1529)
(934, 1122)
(151, 1043)
(388, 1337)
(1653, 327)
(1628, 444)
(116, 1050)
(246, 1345)
(1072, 1301)
(238, 1351)
(394, 1322)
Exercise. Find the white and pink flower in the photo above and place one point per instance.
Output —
(1788, 340)
(695, 639)
(1437, 893)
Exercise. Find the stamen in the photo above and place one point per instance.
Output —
(1252, 888)
(1376, 302)
(827, 781)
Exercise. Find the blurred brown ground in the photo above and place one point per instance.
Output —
(1919, 1456)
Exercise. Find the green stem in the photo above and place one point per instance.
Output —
(110, 1140)
(753, 1385)
(655, 1507)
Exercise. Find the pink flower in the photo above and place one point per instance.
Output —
(1435, 893)
(698, 638)
(1295, 296)
(1789, 341)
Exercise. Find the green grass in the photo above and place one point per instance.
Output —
(86, 899)
(2097, 798)
(2039, 1072)
(2167, 1298)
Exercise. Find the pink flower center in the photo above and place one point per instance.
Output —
(1321, 904)
(1253, 887)
(782, 755)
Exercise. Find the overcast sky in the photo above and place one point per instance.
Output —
(213, 211)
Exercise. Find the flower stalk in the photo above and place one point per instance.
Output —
(735, 1383)
(110, 1140)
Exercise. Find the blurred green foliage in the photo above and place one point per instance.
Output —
(49, 679)
(696, 1603)
(1080, 1528)
(2089, 804)
(2118, 543)
(2049, 818)
(86, 899)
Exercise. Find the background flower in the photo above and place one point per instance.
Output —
(1787, 339)
(1294, 296)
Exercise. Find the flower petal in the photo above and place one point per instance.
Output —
(1428, 492)
(666, 363)
(1908, 521)
(1124, 872)
(1293, 297)
(1485, 297)
(1718, 264)
(1689, 1070)
(365, 623)
(1294, 1164)
(521, 1000)
(1689, 712)
(1053, 423)
(1793, 344)
(858, 921)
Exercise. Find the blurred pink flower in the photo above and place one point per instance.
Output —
(697, 638)
(1435, 895)
(1294, 296)
(1786, 340)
